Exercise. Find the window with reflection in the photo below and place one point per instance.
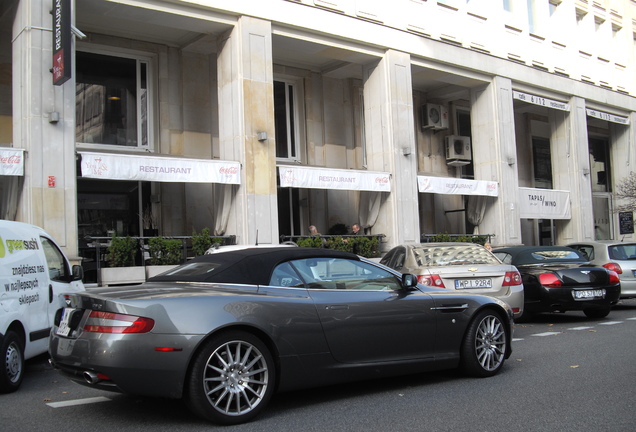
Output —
(344, 274)
(58, 269)
(285, 118)
(111, 100)
(542, 161)
(599, 165)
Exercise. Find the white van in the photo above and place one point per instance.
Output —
(33, 274)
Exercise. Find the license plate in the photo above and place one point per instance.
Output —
(473, 283)
(589, 294)
(64, 329)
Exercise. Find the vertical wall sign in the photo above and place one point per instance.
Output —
(61, 41)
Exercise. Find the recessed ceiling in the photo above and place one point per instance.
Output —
(109, 18)
(196, 34)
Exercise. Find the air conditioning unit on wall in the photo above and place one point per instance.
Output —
(434, 117)
(458, 151)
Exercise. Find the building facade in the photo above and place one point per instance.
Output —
(258, 118)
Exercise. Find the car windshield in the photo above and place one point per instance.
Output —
(623, 252)
(435, 256)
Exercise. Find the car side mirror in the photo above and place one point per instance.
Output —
(78, 272)
(409, 280)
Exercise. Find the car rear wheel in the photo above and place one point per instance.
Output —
(11, 363)
(597, 313)
(483, 350)
(232, 378)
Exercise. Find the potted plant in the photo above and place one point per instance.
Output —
(165, 254)
(202, 241)
(121, 259)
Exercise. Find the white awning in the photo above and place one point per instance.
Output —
(327, 178)
(544, 204)
(11, 161)
(158, 168)
(457, 186)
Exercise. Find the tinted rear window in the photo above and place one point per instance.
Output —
(546, 256)
(623, 252)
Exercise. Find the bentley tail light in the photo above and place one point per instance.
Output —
(109, 322)
(431, 280)
(613, 278)
(550, 280)
(512, 278)
(614, 267)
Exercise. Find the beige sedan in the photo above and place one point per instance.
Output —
(465, 267)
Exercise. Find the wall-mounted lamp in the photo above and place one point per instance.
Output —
(512, 161)
(406, 151)
(586, 171)
(54, 117)
(261, 136)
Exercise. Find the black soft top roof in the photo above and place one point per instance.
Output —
(247, 266)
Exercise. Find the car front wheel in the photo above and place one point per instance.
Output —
(11, 363)
(483, 350)
(232, 378)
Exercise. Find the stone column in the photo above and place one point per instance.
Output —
(390, 142)
(49, 194)
(495, 158)
(623, 160)
(246, 107)
(571, 170)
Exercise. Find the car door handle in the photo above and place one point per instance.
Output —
(50, 293)
(337, 307)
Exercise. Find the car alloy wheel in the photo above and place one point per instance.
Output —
(232, 379)
(484, 347)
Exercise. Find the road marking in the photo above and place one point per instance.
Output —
(631, 318)
(78, 402)
(580, 328)
(610, 323)
(517, 339)
(546, 334)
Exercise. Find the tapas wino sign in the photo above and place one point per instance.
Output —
(61, 41)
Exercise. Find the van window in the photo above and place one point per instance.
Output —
(58, 269)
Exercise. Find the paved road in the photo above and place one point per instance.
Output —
(567, 373)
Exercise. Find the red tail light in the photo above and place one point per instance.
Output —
(550, 280)
(614, 267)
(613, 278)
(512, 278)
(108, 322)
(431, 280)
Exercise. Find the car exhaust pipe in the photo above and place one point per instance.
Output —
(91, 377)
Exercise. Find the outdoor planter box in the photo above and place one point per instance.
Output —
(122, 275)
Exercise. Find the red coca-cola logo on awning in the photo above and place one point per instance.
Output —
(229, 170)
(13, 159)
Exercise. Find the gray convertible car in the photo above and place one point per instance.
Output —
(227, 330)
